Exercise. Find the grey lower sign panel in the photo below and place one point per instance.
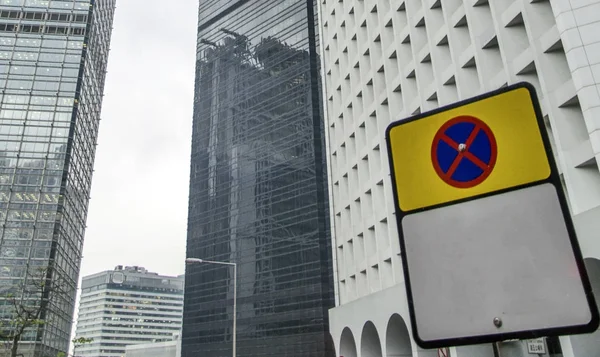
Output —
(506, 257)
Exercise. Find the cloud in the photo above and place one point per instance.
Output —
(139, 198)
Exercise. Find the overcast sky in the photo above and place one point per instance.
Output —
(138, 207)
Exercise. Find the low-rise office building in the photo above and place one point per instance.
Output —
(128, 306)
(156, 349)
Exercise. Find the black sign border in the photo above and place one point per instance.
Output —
(553, 179)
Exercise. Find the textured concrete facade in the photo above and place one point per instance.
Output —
(387, 60)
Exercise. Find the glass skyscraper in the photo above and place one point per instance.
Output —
(258, 193)
(53, 57)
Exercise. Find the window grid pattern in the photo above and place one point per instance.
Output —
(388, 60)
(116, 314)
(258, 189)
(50, 96)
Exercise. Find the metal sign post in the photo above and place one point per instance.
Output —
(482, 216)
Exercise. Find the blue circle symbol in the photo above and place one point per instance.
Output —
(464, 152)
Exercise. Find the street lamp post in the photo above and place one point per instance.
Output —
(234, 265)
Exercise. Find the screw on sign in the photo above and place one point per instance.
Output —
(464, 152)
(443, 352)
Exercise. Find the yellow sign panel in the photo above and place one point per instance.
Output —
(477, 148)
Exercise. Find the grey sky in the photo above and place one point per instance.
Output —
(138, 207)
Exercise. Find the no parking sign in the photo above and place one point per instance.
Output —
(464, 152)
(488, 245)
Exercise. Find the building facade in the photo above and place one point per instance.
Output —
(156, 349)
(258, 194)
(387, 60)
(53, 57)
(128, 306)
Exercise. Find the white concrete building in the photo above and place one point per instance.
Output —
(156, 349)
(128, 306)
(385, 60)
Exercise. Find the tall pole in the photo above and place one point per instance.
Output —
(497, 350)
(234, 309)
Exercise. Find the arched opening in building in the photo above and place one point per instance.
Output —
(587, 345)
(397, 338)
(370, 345)
(347, 344)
